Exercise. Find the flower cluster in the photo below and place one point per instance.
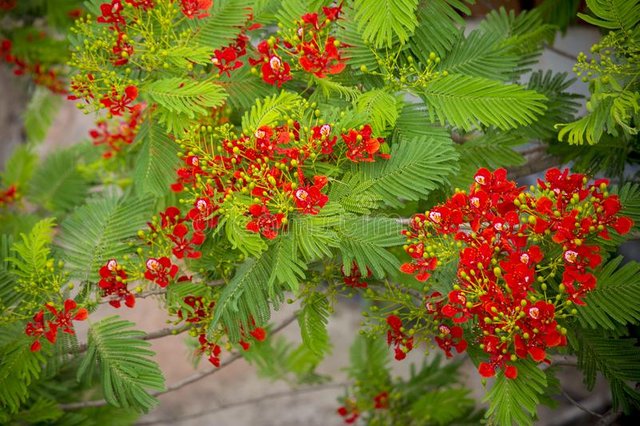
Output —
(8, 195)
(351, 410)
(113, 284)
(525, 260)
(311, 47)
(397, 337)
(115, 137)
(47, 323)
(355, 279)
(264, 175)
(41, 75)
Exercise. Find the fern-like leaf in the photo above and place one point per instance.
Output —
(181, 96)
(466, 101)
(39, 114)
(269, 110)
(384, 21)
(613, 14)
(313, 320)
(515, 401)
(125, 363)
(99, 231)
(380, 107)
(156, 160)
(226, 18)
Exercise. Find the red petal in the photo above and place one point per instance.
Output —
(511, 372)
(180, 230)
(623, 225)
(69, 305)
(408, 268)
(131, 92)
(486, 370)
(35, 346)
(537, 354)
(81, 315)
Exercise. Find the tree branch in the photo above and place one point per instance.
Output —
(580, 406)
(256, 400)
(161, 291)
(181, 383)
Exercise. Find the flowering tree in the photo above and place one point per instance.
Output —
(248, 153)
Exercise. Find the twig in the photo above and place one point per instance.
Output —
(256, 400)
(562, 53)
(579, 405)
(149, 293)
(167, 331)
(609, 418)
(179, 384)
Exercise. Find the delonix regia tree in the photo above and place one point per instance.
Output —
(248, 154)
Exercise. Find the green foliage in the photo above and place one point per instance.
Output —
(32, 253)
(515, 401)
(156, 160)
(57, 184)
(380, 107)
(187, 97)
(126, 369)
(314, 234)
(614, 299)
(40, 113)
(99, 231)
(246, 297)
(269, 110)
(491, 150)
(618, 359)
(235, 229)
(441, 407)
(19, 166)
(431, 161)
(19, 368)
(437, 30)
(466, 101)
(369, 360)
(288, 267)
(313, 320)
(224, 23)
(384, 21)
(560, 13)
(243, 89)
(613, 14)
(364, 240)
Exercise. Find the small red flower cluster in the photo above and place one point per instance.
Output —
(58, 320)
(361, 147)
(113, 282)
(118, 103)
(196, 8)
(172, 228)
(349, 411)
(315, 50)
(40, 74)
(397, 337)
(512, 291)
(269, 166)
(8, 196)
(160, 271)
(116, 137)
(228, 59)
(355, 278)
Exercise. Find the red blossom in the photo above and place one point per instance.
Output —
(309, 199)
(112, 14)
(184, 246)
(264, 222)
(160, 271)
(196, 8)
(117, 104)
(361, 147)
(113, 282)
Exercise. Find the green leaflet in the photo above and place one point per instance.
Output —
(614, 301)
(185, 97)
(157, 160)
(380, 107)
(99, 231)
(57, 184)
(226, 17)
(313, 320)
(384, 21)
(269, 110)
(466, 101)
(364, 240)
(126, 366)
(515, 401)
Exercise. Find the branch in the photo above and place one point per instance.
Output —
(167, 331)
(562, 53)
(256, 400)
(579, 405)
(161, 291)
(179, 384)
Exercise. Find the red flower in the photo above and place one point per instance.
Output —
(226, 60)
(361, 146)
(38, 328)
(259, 334)
(451, 337)
(113, 283)
(141, 4)
(332, 13)
(354, 279)
(323, 134)
(196, 8)
(118, 104)
(122, 51)
(381, 400)
(112, 14)
(184, 246)
(160, 271)
(396, 336)
(201, 214)
(63, 319)
(264, 222)
(309, 199)
(275, 71)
